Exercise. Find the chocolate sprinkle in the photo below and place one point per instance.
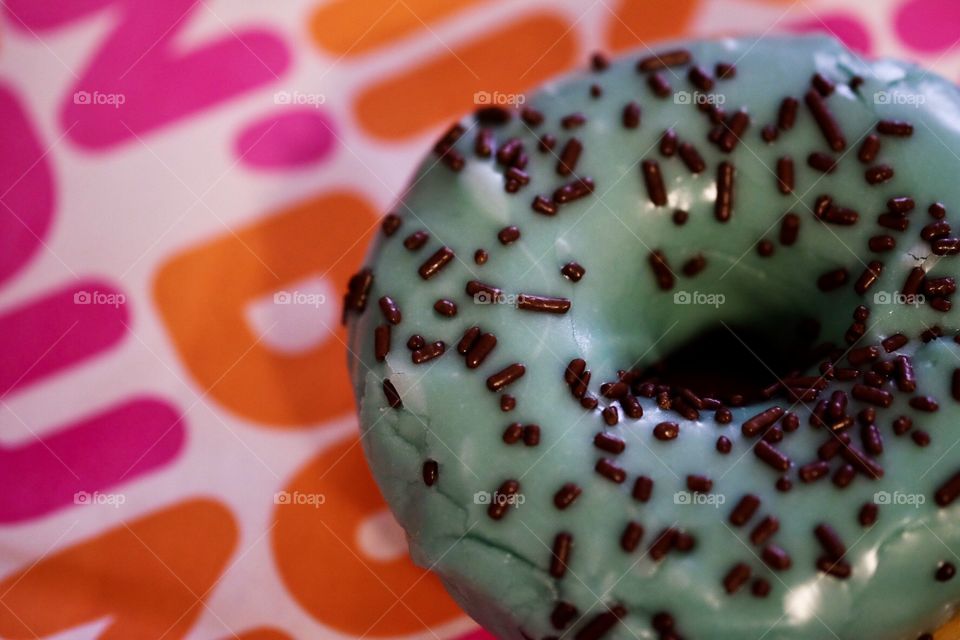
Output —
(776, 558)
(659, 85)
(631, 115)
(771, 455)
(736, 578)
(869, 150)
(573, 271)
(692, 158)
(666, 431)
(787, 115)
(610, 471)
(508, 235)
(435, 263)
(390, 392)
(879, 174)
(601, 624)
(446, 308)
(569, 156)
(502, 499)
(416, 240)
(895, 128)
(868, 514)
(789, 229)
(563, 614)
(479, 350)
(830, 540)
(544, 205)
(744, 510)
(668, 143)
(653, 179)
(506, 376)
(661, 270)
(431, 472)
(656, 62)
(945, 572)
(764, 530)
(562, 545)
(566, 495)
(391, 222)
(545, 304)
(724, 205)
(631, 537)
(381, 342)
(825, 120)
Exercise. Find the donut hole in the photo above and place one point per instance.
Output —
(725, 361)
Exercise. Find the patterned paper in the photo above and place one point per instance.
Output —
(186, 186)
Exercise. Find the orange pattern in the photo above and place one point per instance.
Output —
(202, 295)
(321, 564)
(637, 23)
(349, 28)
(510, 61)
(148, 577)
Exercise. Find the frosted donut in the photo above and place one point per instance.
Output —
(515, 332)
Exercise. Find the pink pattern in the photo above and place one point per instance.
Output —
(286, 140)
(26, 187)
(138, 80)
(89, 455)
(846, 27)
(929, 26)
(58, 330)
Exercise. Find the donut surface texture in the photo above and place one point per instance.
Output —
(544, 257)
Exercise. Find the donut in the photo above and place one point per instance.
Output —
(667, 349)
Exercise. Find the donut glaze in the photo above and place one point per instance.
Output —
(435, 432)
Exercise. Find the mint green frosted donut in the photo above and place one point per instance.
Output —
(479, 492)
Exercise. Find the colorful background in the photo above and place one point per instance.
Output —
(186, 186)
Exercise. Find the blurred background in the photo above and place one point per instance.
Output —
(186, 186)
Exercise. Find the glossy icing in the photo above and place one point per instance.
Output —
(497, 569)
